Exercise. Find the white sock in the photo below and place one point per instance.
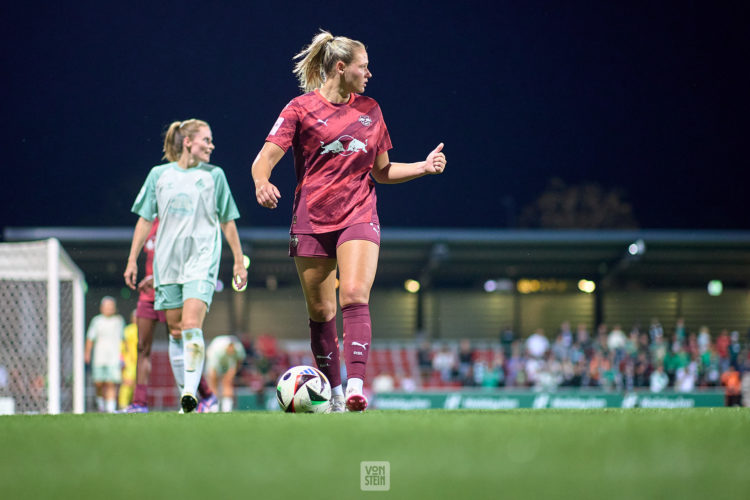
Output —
(354, 385)
(195, 354)
(177, 361)
(337, 391)
(227, 404)
(111, 405)
(99, 403)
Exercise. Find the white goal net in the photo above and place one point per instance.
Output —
(41, 329)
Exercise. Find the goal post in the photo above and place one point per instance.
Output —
(41, 329)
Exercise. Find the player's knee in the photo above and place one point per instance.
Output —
(321, 311)
(175, 333)
(353, 293)
(144, 349)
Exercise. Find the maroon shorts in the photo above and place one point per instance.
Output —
(146, 310)
(325, 244)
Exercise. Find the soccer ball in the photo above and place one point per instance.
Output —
(303, 389)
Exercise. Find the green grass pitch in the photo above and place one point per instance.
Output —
(518, 454)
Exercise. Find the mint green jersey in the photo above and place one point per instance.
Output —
(190, 204)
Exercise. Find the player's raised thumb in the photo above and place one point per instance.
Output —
(439, 148)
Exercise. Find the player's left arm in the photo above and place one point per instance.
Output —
(386, 172)
(239, 273)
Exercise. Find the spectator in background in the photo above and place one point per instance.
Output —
(515, 373)
(658, 381)
(103, 346)
(424, 360)
(507, 337)
(224, 356)
(537, 344)
(583, 339)
(616, 341)
(734, 350)
(465, 362)
(732, 383)
(655, 330)
(704, 339)
(685, 377)
(444, 362)
(679, 329)
(722, 349)
(129, 359)
(566, 333)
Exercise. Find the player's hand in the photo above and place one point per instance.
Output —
(130, 274)
(435, 162)
(146, 284)
(267, 195)
(239, 276)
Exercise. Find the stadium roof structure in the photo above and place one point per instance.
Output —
(464, 258)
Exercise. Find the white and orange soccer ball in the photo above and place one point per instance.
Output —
(303, 389)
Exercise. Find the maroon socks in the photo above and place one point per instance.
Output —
(324, 342)
(357, 337)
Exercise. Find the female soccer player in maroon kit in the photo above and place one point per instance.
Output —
(340, 144)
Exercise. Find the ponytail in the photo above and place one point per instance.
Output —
(317, 60)
(176, 133)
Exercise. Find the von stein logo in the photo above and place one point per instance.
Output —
(345, 145)
(375, 476)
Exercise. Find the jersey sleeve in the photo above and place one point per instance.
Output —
(283, 131)
(225, 205)
(145, 202)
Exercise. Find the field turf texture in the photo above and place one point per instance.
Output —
(516, 454)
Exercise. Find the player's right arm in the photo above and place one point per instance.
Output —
(142, 229)
(266, 193)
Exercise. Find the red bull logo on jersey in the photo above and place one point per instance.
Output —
(345, 145)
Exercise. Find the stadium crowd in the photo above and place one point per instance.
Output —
(610, 359)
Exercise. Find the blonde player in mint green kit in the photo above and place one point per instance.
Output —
(194, 205)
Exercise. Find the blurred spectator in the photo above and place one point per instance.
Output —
(515, 370)
(424, 360)
(685, 377)
(658, 379)
(616, 340)
(734, 349)
(679, 329)
(537, 344)
(704, 339)
(722, 348)
(444, 362)
(465, 362)
(507, 337)
(566, 334)
(655, 330)
(732, 383)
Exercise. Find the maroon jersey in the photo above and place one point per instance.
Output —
(148, 249)
(334, 146)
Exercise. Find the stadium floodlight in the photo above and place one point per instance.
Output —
(715, 288)
(586, 286)
(638, 247)
(412, 286)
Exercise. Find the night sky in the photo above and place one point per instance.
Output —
(649, 97)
